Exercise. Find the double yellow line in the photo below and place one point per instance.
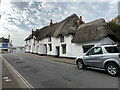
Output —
(20, 76)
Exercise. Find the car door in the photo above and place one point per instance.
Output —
(94, 57)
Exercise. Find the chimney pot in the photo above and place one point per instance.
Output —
(50, 23)
(32, 31)
(80, 18)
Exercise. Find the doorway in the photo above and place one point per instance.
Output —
(57, 51)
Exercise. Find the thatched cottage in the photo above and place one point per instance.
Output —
(70, 37)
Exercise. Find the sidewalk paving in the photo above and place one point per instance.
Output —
(8, 78)
(58, 59)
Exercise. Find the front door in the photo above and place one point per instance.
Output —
(57, 51)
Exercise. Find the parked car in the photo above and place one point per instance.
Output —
(106, 57)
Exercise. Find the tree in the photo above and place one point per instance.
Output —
(115, 28)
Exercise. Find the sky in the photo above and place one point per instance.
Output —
(19, 18)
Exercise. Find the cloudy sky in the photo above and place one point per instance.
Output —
(19, 18)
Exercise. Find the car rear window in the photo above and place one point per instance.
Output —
(112, 49)
(119, 48)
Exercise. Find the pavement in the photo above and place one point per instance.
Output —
(58, 59)
(45, 72)
(9, 79)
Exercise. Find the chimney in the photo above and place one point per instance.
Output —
(11, 42)
(32, 31)
(9, 38)
(50, 23)
(80, 18)
(79, 22)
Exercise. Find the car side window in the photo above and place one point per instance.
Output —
(94, 51)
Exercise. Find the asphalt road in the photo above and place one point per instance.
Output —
(43, 73)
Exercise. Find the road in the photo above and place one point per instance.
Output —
(44, 73)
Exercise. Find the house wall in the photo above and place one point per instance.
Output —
(72, 49)
(27, 46)
(36, 47)
(32, 49)
(106, 40)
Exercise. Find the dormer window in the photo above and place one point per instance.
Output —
(61, 39)
(49, 39)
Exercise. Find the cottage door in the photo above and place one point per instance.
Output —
(57, 51)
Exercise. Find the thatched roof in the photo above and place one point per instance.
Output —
(92, 31)
(65, 27)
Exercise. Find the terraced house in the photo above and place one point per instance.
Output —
(69, 38)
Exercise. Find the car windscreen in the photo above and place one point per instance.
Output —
(112, 49)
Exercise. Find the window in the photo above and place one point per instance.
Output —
(64, 48)
(94, 51)
(112, 49)
(50, 47)
(61, 39)
(86, 48)
(49, 39)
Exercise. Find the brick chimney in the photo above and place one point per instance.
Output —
(79, 22)
(50, 23)
(80, 18)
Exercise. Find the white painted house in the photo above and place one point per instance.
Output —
(70, 37)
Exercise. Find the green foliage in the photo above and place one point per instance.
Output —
(115, 28)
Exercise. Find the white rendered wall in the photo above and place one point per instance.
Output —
(72, 49)
(36, 47)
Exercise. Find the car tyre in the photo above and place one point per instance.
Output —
(80, 64)
(112, 69)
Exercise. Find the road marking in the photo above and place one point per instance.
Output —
(20, 57)
(19, 75)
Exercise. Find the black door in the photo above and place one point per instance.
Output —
(57, 51)
(45, 45)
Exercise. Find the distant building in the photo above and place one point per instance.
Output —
(20, 49)
(5, 45)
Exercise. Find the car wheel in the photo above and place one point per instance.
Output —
(112, 69)
(80, 64)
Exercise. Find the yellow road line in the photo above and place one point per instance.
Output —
(20, 76)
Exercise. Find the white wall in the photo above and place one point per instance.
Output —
(106, 40)
(72, 49)
(36, 47)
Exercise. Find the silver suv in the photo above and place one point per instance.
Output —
(106, 57)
